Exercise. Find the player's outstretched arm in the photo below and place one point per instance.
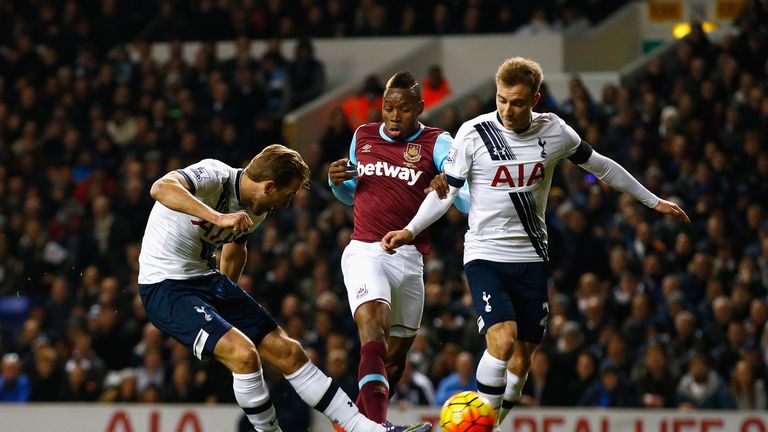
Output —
(172, 191)
(439, 184)
(611, 172)
(430, 210)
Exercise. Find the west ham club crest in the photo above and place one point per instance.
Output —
(412, 153)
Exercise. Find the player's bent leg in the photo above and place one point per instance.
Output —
(282, 352)
(373, 323)
(314, 387)
(238, 353)
(397, 355)
(491, 370)
(501, 338)
(517, 374)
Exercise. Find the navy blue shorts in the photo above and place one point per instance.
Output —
(199, 311)
(510, 292)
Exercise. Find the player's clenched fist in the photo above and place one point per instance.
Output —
(394, 239)
(238, 222)
(341, 170)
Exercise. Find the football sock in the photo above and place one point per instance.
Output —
(372, 380)
(511, 393)
(319, 391)
(491, 380)
(252, 395)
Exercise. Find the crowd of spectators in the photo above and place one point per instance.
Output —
(644, 311)
(209, 20)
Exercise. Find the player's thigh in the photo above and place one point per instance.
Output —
(365, 275)
(408, 295)
(488, 285)
(242, 311)
(183, 310)
(529, 296)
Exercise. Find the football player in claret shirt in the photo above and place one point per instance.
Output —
(386, 177)
(206, 206)
(508, 157)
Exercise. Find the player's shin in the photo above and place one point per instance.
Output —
(491, 380)
(511, 394)
(372, 380)
(252, 395)
(317, 390)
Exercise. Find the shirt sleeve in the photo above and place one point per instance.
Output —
(462, 201)
(609, 171)
(459, 160)
(205, 177)
(345, 191)
(571, 142)
(443, 147)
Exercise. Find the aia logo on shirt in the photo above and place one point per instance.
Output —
(524, 174)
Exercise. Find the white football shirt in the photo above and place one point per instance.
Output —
(509, 177)
(179, 246)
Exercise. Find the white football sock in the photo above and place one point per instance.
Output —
(319, 391)
(511, 393)
(491, 380)
(252, 395)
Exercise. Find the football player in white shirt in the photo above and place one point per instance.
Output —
(508, 157)
(200, 208)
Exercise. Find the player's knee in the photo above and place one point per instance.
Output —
(501, 340)
(245, 359)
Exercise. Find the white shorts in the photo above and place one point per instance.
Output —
(371, 274)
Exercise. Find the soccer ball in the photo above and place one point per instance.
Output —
(467, 412)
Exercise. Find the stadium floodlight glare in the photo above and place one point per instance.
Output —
(680, 30)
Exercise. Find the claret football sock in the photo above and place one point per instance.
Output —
(372, 380)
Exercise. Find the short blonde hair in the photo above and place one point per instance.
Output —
(519, 70)
(280, 164)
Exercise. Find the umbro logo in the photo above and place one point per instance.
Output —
(366, 148)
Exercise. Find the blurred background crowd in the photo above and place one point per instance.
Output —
(644, 311)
